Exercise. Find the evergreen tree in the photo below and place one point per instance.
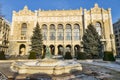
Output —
(91, 42)
(36, 40)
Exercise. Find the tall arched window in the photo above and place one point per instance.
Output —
(24, 29)
(60, 32)
(44, 31)
(68, 32)
(52, 32)
(98, 28)
(76, 32)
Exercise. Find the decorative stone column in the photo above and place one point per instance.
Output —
(48, 34)
(56, 33)
(81, 35)
(112, 35)
(64, 48)
(72, 41)
(84, 19)
(64, 33)
(56, 50)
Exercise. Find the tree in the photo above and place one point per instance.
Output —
(2, 55)
(36, 41)
(91, 42)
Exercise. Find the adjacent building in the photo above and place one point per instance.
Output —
(62, 30)
(116, 27)
(4, 34)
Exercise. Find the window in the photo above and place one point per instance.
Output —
(98, 28)
(76, 32)
(115, 31)
(52, 32)
(60, 32)
(44, 31)
(24, 29)
(116, 36)
(117, 40)
(117, 44)
(68, 32)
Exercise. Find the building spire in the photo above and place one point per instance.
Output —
(25, 7)
(96, 5)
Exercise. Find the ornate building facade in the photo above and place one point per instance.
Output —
(4, 34)
(62, 30)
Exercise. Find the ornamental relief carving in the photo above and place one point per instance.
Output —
(60, 19)
(25, 18)
(97, 16)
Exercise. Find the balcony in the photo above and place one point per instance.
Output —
(23, 37)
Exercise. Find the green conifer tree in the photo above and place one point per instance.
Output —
(36, 40)
(91, 42)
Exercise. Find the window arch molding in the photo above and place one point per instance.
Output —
(60, 32)
(52, 32)
(68, 31)
(44, 31)
(76, 31)
(44, 26)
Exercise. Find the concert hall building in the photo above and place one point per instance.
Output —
(62, 30)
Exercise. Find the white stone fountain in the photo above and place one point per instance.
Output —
(50, 66)
(47, 65)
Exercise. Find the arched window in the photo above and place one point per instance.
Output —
(24, 29)
(98, 28)
(76, 32)
(60, 32)
(44, 31)
(52, 32)
(68, 32)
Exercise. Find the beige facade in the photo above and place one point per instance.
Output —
(4, 34)
(62, 29)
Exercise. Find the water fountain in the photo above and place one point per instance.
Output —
(47, 65)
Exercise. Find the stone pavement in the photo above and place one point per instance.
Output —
(107, 64)
(3, 76)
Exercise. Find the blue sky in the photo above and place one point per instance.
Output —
(9, 5)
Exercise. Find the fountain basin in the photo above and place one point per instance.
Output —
(45, 66)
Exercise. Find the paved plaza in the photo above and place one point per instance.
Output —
(92, 70)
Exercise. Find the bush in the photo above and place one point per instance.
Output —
(32, 55)
(108, 56)
(81, 55)
(2, 55)
(68, 55)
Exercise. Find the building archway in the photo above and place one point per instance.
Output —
(76, 49)
(52, 49)
(68, 54)
(22, 49)
(68, 48)
(60, 50)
